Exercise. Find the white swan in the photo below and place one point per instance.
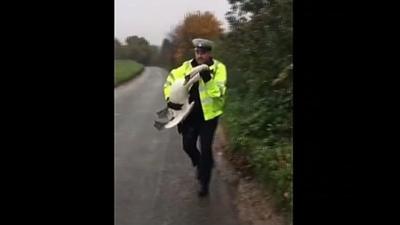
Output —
(179, 95)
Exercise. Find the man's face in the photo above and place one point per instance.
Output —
(202, 56)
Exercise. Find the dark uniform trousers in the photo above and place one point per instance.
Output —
(195, 127)
(191, 130)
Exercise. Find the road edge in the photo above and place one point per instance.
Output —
(254, 205)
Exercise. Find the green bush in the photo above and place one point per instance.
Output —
(258, 112)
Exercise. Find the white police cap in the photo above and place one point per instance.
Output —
(202, 43)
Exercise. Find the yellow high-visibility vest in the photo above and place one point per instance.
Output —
(212, 93)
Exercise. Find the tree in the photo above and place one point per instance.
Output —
(118, 49)
(166, 54)
(258, 55)
(194, 25)
(138, 49)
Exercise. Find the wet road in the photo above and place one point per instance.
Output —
(154, 179)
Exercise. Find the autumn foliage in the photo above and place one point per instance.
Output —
(194, 25)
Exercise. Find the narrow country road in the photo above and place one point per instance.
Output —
(154, 180)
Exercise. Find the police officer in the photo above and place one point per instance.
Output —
(208, 95)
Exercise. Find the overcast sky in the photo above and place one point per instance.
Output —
(154, 19)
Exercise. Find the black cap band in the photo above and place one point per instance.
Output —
(207, 48)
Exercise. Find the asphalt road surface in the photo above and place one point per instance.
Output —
(154, 181)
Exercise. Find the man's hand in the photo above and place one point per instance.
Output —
(205, 75)
(174, 105)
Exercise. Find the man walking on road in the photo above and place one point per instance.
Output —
(208, 95)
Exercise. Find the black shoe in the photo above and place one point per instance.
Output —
(203, 191)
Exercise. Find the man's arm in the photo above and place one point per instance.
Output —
(216, 86)
(167, 85)
(172, 76)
